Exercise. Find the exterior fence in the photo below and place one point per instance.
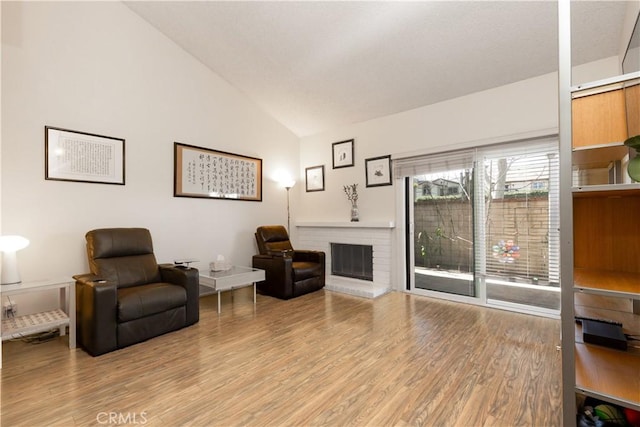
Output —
(517, 231)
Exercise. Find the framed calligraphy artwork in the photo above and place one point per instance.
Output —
(211, 174)
(83, 157)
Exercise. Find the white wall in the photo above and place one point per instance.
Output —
(630, 21)
(522, 107)
(97, 67)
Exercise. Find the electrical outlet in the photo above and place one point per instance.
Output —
(9, 310)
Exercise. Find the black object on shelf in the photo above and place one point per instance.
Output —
(604, 334)
(579, 319)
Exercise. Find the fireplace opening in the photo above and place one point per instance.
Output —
(355, 261)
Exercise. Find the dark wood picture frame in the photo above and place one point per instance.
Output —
(378, 171)
(211, 174)
(71, 155)
(342, 154)
(314, 178)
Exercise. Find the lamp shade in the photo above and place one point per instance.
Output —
(288, 183)
(9, 245)
(12, 243)
(284, 179)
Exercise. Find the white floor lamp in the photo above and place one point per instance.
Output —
(288, 183)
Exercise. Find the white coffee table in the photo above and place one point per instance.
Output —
(236, 277)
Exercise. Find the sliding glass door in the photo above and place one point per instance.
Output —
(483, 224)
(442, 211)
(519, 227)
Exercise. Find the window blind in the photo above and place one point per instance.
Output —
(518, 215)
(434, 163)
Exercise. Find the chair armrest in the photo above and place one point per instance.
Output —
(85, 278)
(309, 256)
(287, 253)
(179, 275)
(188, 278)
(278, 275)
(96, 302)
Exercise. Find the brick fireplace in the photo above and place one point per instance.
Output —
(320, 235)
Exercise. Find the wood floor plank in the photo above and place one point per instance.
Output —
(324, 359)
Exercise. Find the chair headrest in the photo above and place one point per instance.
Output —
(117, 242)
(272, 233)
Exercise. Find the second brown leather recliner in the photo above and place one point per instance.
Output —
(289, 273)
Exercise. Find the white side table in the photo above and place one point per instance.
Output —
(63, 316)
(236, 277)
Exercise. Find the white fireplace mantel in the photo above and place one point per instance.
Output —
(345, 224)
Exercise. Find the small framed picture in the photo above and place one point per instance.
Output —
(378, 171)
(315, 178)
(342, 154)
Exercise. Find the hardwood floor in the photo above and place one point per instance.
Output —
(321, 359)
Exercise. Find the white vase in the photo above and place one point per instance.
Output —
(355, 215)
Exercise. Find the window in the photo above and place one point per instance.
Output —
(518, 227)
(485, 223)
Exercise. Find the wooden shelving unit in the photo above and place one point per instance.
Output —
(606, 251)
(606, 254)
(604, 278)
(599, 230)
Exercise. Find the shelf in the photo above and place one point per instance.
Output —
(608, 83)
(599, 157)
(609, 283)
(28, 324)
(607, 190)
(601, 165)
(611, 375)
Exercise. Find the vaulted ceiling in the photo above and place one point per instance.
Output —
(318, 65)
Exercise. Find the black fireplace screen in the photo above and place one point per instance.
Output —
(355, 261)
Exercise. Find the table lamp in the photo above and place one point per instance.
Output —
(9, 245)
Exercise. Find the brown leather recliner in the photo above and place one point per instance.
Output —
(289, 273)
(128, 298)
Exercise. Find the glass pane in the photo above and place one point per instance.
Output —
(517, 229)
(443, 233)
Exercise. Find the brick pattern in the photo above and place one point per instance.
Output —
(320, 238)
(443, 228)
